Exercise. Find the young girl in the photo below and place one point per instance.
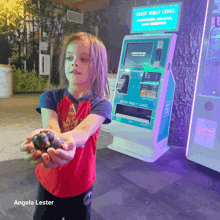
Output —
(75, 114)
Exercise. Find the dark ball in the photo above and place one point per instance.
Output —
(49, 134)
(45, 139)
(41, 141)
(57, 143)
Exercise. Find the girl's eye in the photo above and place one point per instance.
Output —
(69, 58)
(84, 60)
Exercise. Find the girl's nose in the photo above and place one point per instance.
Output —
(75, 63)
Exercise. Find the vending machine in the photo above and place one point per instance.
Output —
(203, 145)
(145, 85)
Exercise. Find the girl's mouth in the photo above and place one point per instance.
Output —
(75, 72)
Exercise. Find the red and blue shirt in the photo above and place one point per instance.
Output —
(78, 175)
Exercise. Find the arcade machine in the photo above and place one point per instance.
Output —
(203, 145)
(143, 98)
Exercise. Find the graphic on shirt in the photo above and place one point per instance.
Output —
(68, 124)
(70, 114)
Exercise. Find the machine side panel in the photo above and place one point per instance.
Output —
(167, 109)
(164, 93)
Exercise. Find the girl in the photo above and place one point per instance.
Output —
(75, 114)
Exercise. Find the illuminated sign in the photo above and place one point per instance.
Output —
(156, 18)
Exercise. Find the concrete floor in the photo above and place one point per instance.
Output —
(126, 188)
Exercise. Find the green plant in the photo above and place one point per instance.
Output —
(27, 81)
(42, 83)
(14, 78)
(15, 56)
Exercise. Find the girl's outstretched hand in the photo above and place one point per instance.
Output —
(28, 147)
(56, 157)
(53, 157)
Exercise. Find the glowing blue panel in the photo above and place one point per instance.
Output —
(157, 18)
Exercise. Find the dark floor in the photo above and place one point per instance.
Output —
(172, 188)
(127, 189)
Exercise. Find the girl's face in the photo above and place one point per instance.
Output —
(77, 62)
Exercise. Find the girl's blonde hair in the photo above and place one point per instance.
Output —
(98, 71)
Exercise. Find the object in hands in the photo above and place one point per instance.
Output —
(45, 139)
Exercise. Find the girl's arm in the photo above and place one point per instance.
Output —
(50, 120)
(85, 129)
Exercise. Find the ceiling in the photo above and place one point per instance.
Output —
(84, 5)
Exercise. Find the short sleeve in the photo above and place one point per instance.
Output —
(46, 101)
(104, 108)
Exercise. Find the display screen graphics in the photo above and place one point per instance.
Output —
(138, 54)
(157, 18)
(151, 77)
(149, 90)
(150, 84)
(205, 132)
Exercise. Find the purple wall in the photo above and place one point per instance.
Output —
(185, 61)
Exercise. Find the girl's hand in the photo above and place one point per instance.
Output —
(56, 157)
(30, 152)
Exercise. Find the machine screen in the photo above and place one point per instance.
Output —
(138, 54)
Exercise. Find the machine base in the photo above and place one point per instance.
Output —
(210, 162)
(144, 153)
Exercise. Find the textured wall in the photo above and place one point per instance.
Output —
(185, 64)
(185, 61)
